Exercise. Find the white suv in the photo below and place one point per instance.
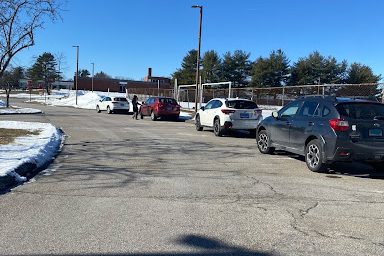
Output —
(113, 105)
(226, 114)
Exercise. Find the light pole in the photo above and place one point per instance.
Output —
(198, 56)
(93, 71)
(77, 67)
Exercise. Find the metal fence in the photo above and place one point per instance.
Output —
(277, 96)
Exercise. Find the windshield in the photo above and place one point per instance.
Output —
(365, 111)
(241, 104)
(168, 100)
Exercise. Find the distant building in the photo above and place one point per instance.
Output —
(156, 79)
(25, 83)
(119, 85)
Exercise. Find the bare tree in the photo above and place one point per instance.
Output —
(19, 20)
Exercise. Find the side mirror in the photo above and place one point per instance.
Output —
(202, 108)
(275, 114)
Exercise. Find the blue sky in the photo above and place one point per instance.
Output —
(125, 37)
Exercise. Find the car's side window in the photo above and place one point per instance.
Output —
(147, 102)
(107, 99)
(326, 111)
(309, 108)
(209, 105)
(291, 109)
(217, 104)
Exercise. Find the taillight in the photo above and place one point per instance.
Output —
(339, 125)
(228, 111)
(258, 111)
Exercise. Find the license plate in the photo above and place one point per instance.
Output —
(122, 104)
(244, 115)
(375, 132)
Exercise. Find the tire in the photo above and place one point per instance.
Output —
(217, 130)
(314, 156)
(263, 142)
(98, 109)
(198, 124)
(141, 115)
(153, 116)
(109, 110)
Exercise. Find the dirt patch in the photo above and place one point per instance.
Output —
(9, 135)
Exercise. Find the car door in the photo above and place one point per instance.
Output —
(145, 106)
(281, 126)
(204, 115)
(104, 103)
(303, 124)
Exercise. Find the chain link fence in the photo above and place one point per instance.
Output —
(276, 96)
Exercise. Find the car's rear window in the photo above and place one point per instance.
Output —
(120, 99)
(168, 100)
(241, 104)
(365, 111)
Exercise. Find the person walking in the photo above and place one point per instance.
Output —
(135, 104)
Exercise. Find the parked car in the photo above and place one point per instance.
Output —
(160, 107)
(325, 130)
(113, 105)
(223, 115)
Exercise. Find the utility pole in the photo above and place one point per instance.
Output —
(198, 56)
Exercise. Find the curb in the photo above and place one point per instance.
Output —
(27, 170)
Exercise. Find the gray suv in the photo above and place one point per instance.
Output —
(326, 129)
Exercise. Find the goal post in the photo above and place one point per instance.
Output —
(203, 88)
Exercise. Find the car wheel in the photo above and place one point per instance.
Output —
(109, 110)
(314, 156)
(141, 115)
(153, 116)
(217, 130)
(98, 109)
(263, 143)
(198, 124)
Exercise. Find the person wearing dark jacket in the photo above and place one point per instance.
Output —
(135, 104)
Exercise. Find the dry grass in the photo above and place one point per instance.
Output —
(9, 135)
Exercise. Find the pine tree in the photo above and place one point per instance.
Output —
(236, 68)
(211, 67)
(44, 70)
(272, 71)
(187, 73)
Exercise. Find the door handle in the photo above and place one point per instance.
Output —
(288, 123)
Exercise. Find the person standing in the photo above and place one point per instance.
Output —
(135, 104)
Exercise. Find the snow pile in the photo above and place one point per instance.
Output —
(37, 149)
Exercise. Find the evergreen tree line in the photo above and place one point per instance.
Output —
(272, 71)
(45, 70)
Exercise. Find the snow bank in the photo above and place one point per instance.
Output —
(37, 149)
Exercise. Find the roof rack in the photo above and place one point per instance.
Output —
(327, 97)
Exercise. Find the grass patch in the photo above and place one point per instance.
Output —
(9, 135)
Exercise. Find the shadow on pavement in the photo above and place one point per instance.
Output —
(355, 169)
(206, 246)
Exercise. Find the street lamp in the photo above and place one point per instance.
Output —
(198, 56)
(93, 71)
(77, 67)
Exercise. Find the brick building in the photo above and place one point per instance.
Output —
(119, 85)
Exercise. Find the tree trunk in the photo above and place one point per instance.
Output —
(7, 92)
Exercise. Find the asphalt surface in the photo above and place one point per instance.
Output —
(137, 187)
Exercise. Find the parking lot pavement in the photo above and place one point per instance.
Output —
(128, 187)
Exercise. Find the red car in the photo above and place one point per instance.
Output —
(162, 107)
